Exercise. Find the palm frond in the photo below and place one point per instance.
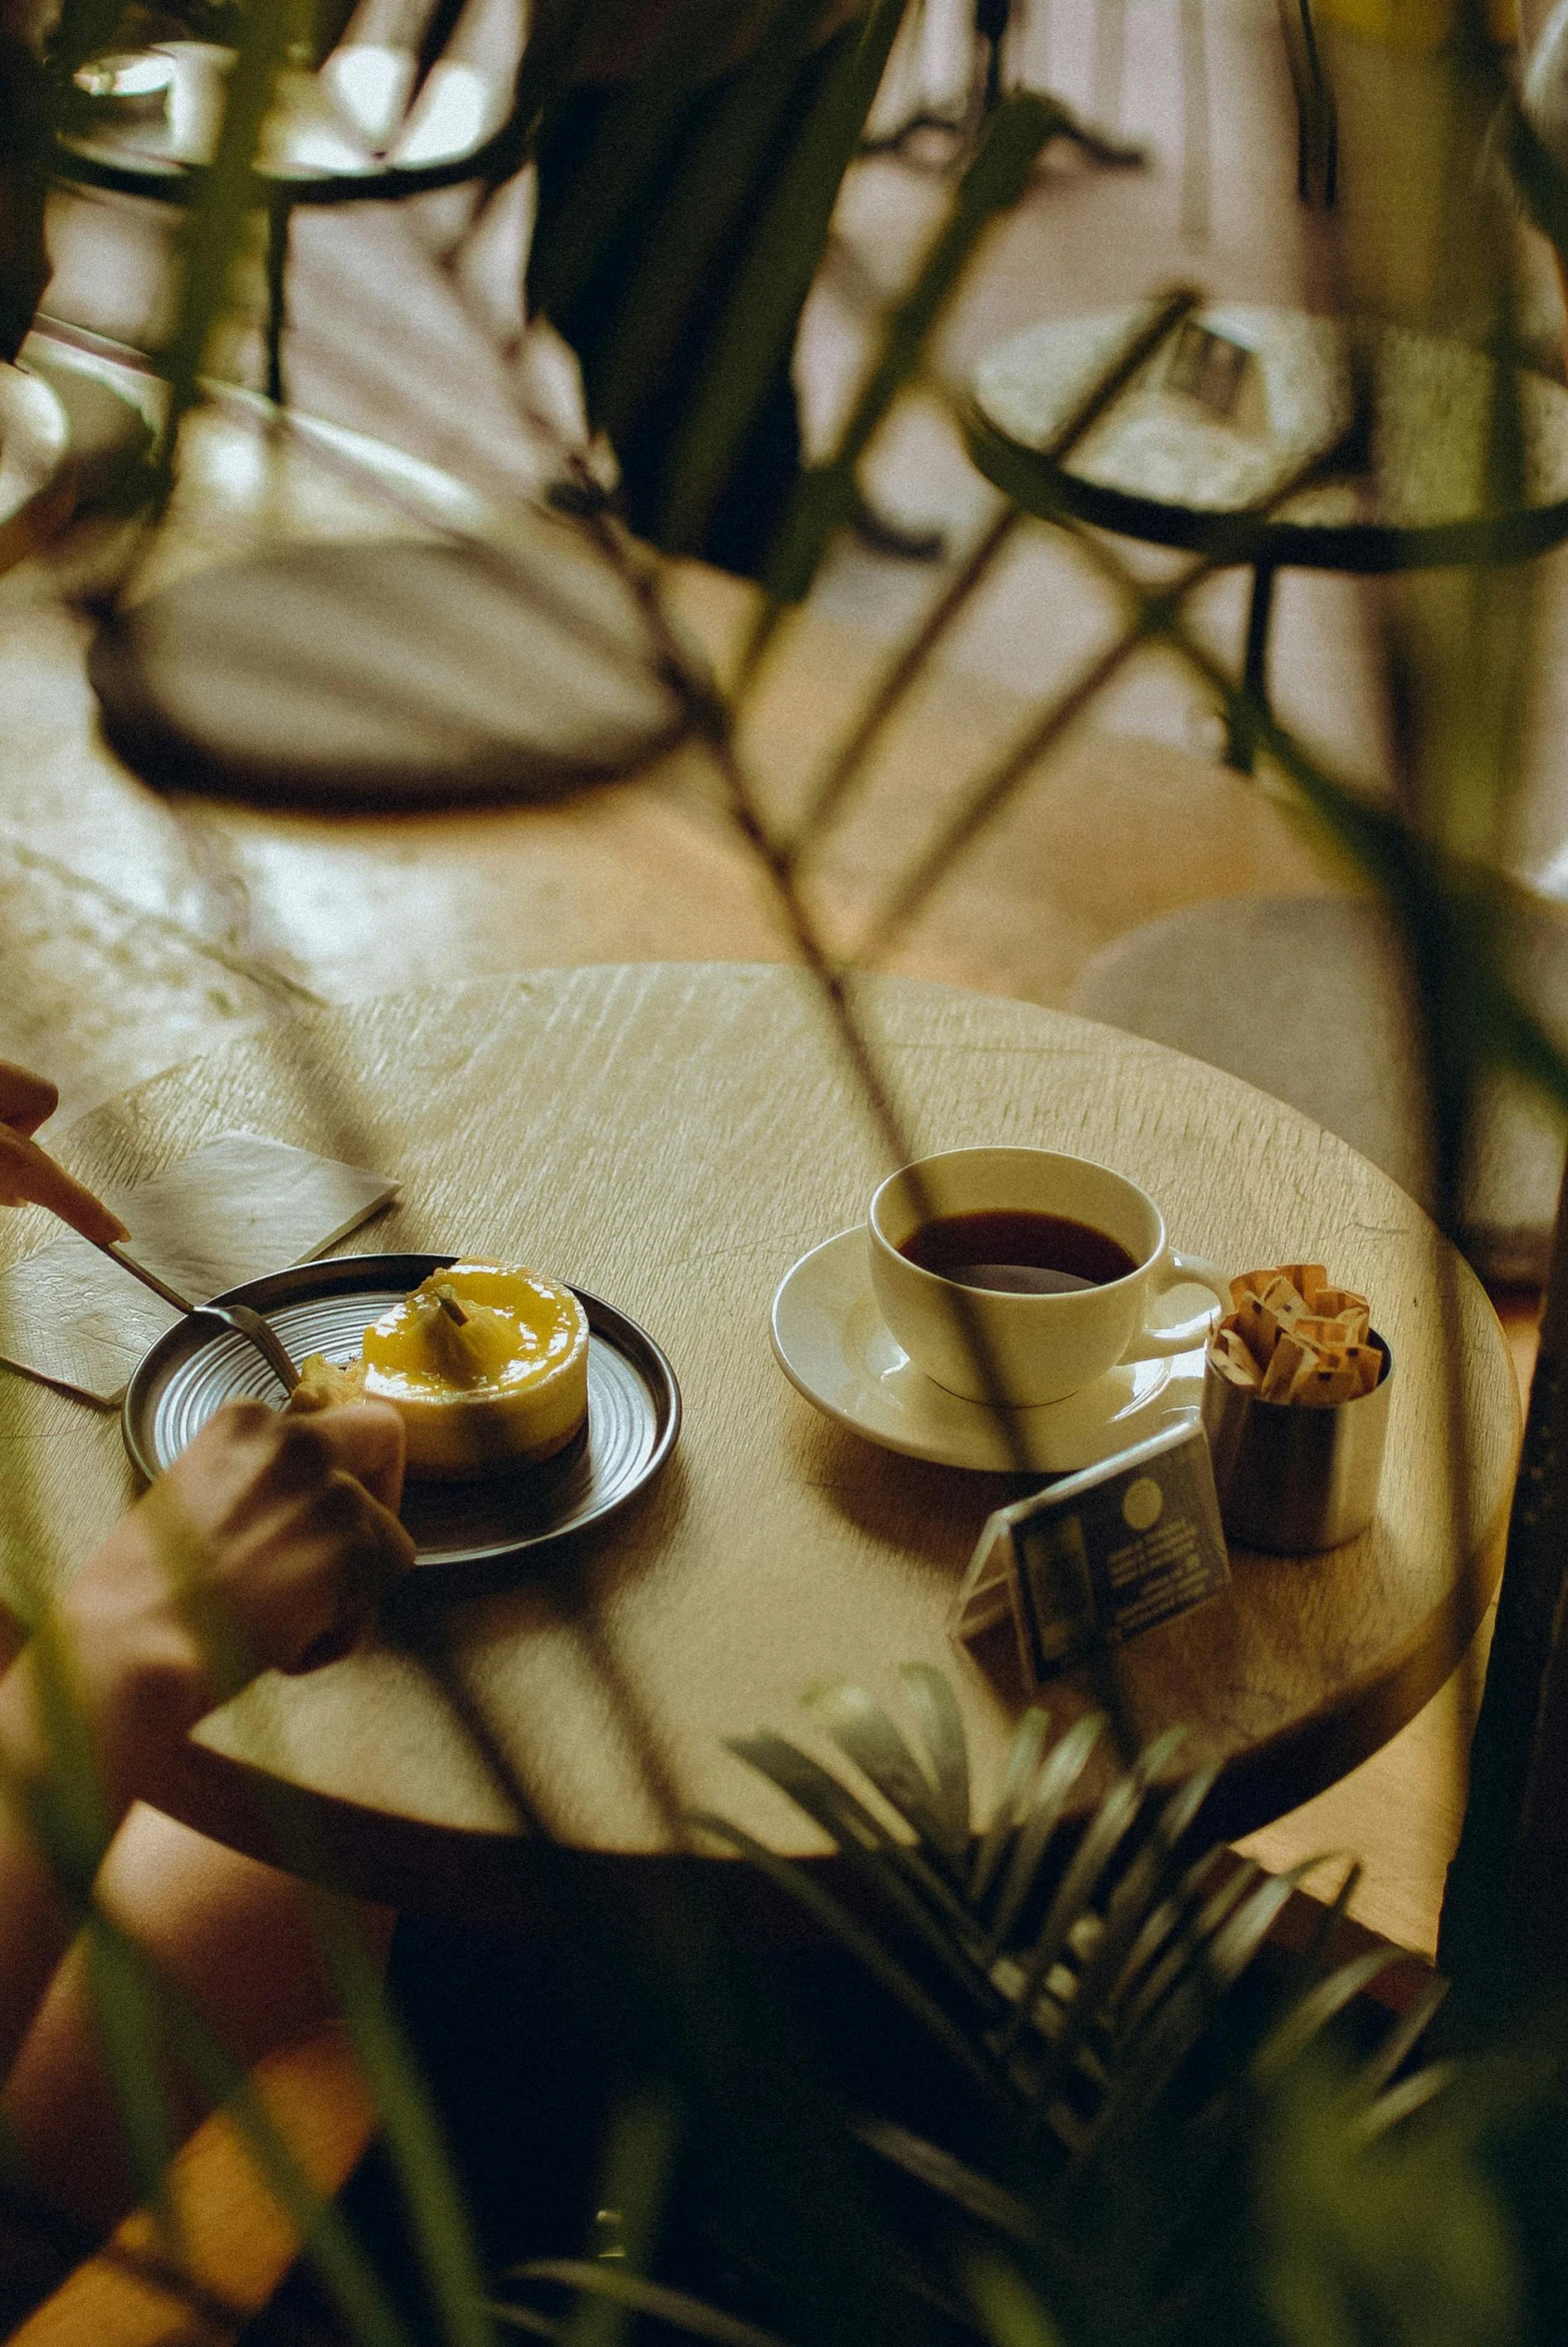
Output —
(1073, 1966)
(864, 1735)
(828, 1911)
(1064, 1764)
(675, 2307)
(936, 1707)
(1010, 2314)
(1401, 2102)
(1321, 2003)
(1022, 1761)
(1073, 1912)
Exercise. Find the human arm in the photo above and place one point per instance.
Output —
(267, 1546)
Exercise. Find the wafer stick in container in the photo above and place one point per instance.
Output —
(1367, 1361)
(1284, 1298)
(1228, 1351)
(1257, 1327)
(1285, 1363)
(1346, 1328)
(1341, 1303)
(1322, 1382)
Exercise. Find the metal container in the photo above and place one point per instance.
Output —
(1293, 1480)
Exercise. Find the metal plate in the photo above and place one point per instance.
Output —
(462, 1532)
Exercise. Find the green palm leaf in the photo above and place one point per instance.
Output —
(935, 1706)
(900, 1876)
(1023, 1759)
(1143, 1886)
(678, 2308)
(864, 1735)
(1064, 1764)
(1106, 1837)
(825, 1909)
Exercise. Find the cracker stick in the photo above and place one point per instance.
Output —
(1320, 1384)
(1259, 1330)
(1304, 1278)
(1346, 1328)
(1335, 1304)
(1284, 1298)
(1231, 1356)
(1230, 1327)
(1285, 1364)
(1247, 1283)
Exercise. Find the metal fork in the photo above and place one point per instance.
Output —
(239, 1316)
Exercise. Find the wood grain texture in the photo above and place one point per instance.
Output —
(674, 1136)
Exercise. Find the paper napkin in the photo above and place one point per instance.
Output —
(238, 1209)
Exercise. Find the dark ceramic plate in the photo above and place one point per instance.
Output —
(461, 1531)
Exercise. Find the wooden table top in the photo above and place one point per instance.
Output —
(674, 1136)
(1160, 466)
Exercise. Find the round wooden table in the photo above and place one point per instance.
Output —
(1402, 488)
(672, 1136)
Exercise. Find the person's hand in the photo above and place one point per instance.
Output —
(28, 1174)
(268, 1544)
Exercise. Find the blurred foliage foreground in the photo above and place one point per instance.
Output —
(1055, 2094)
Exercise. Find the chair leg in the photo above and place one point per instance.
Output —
(991, 21)
(1317, 168)
(278, 218)
(1243, 747)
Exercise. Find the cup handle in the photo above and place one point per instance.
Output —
(1153, 1343)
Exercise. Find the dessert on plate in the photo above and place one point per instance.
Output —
(486, 1364)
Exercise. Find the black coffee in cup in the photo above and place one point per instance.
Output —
(1019, 1251)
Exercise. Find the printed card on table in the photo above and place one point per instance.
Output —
(1100, 1554)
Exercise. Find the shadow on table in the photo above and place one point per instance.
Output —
(933, 1513)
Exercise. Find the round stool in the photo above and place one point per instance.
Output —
(1308, 999)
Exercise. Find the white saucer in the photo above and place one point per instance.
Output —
(834, 1348)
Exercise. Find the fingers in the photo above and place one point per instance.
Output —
(261, 1548)
(25, 1100)
(301, 1539)
(30, 1176)
(366, 1440)
(369, 1550)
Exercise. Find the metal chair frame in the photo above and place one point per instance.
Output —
(163, 181)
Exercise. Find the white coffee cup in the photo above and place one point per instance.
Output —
(1040, 1348)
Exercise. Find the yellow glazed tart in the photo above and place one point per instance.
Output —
(486, 1364)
